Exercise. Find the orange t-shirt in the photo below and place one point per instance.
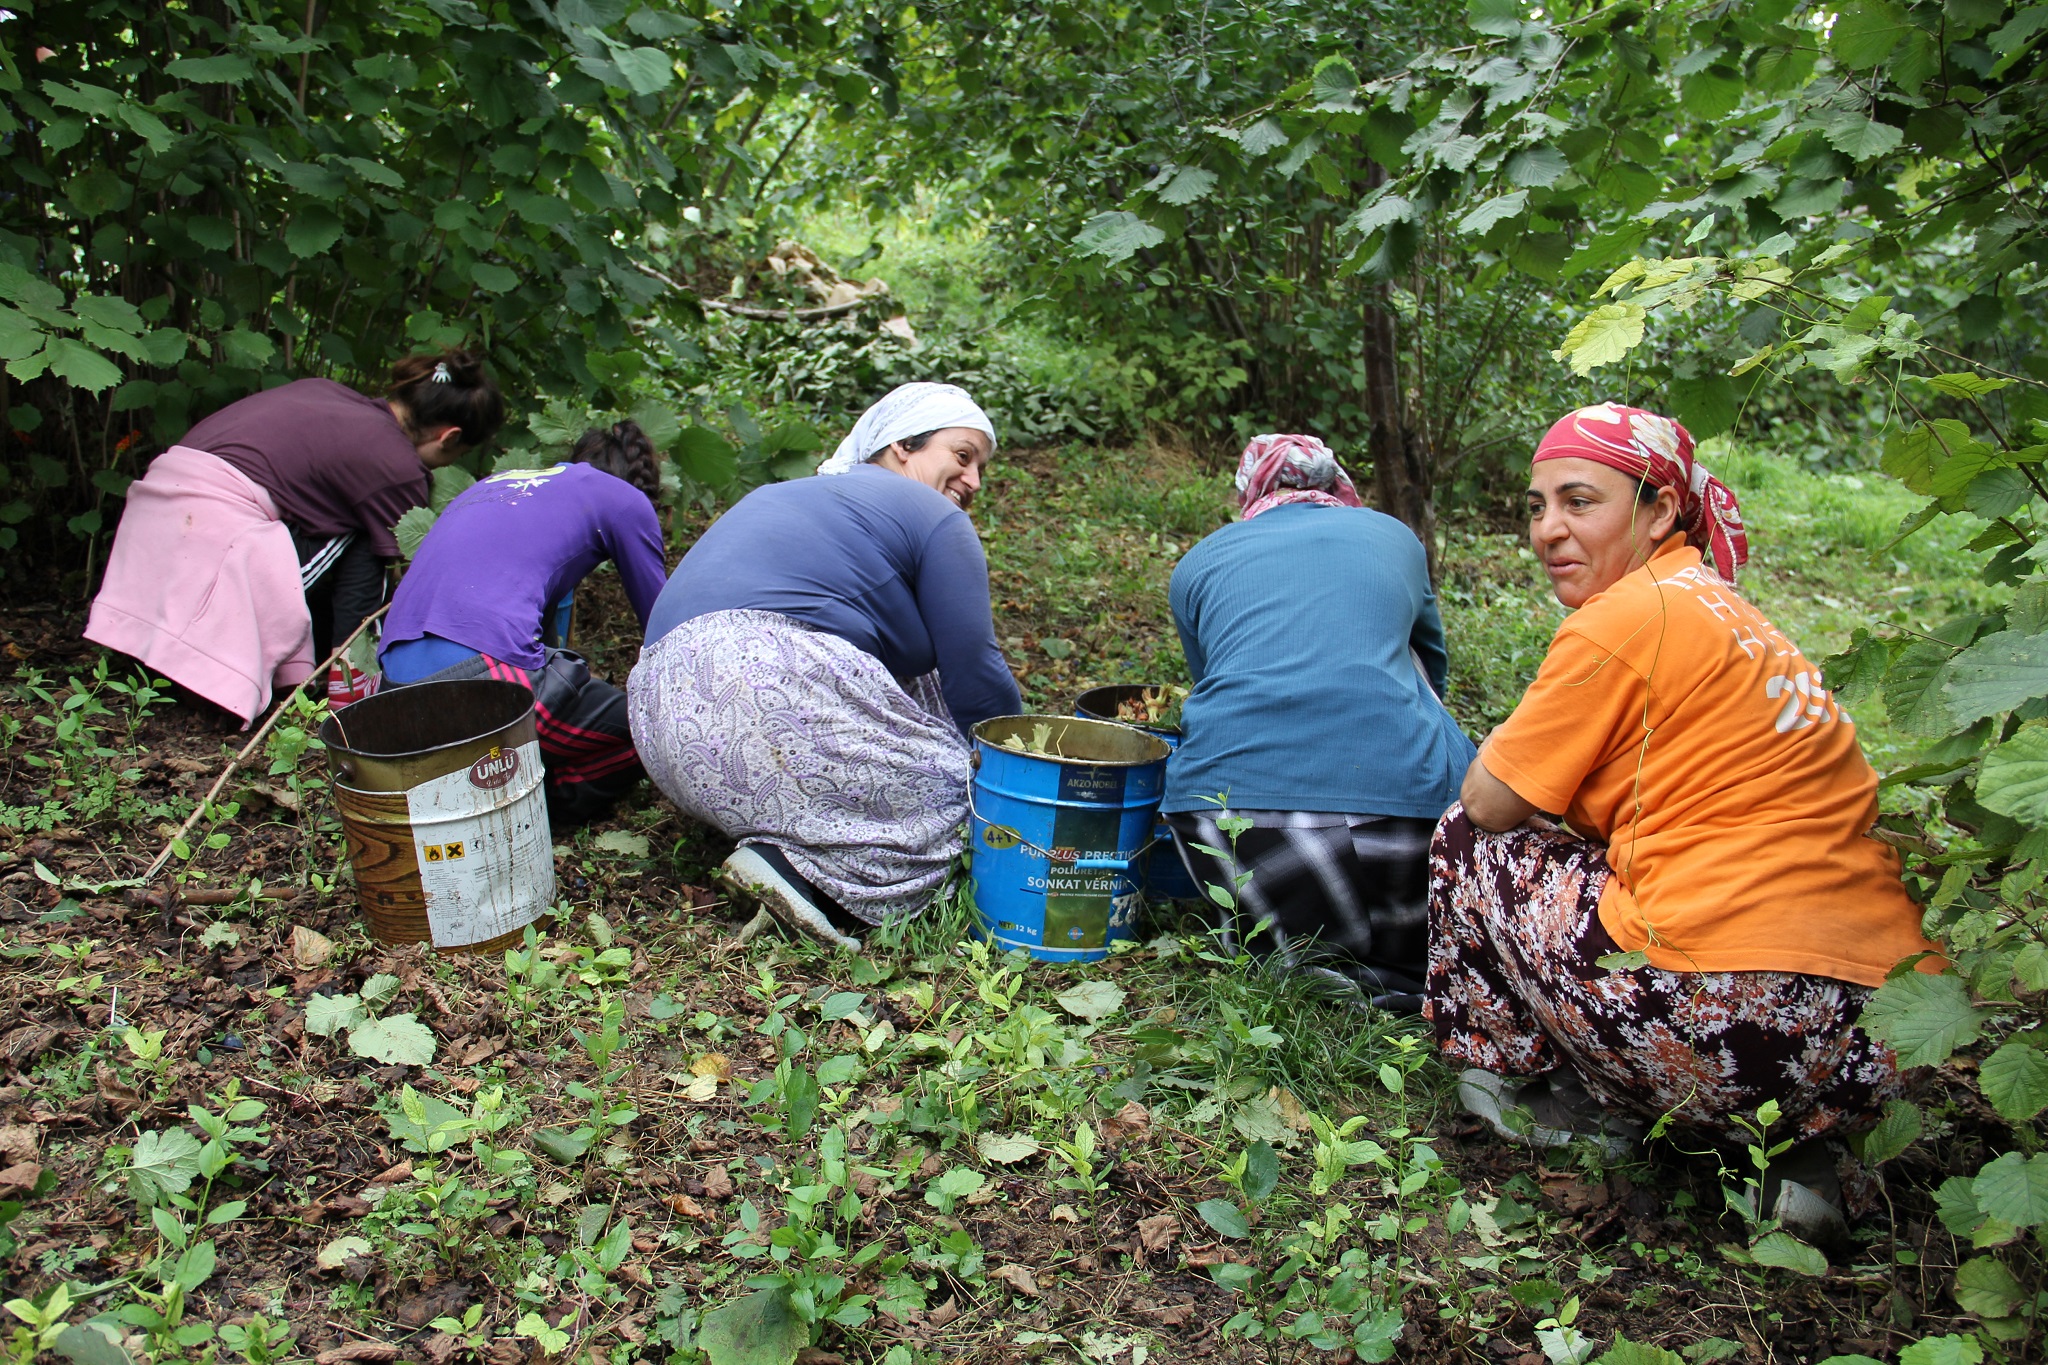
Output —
(1672, 721)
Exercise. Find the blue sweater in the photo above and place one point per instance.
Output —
(1298, 626)
(882, 561)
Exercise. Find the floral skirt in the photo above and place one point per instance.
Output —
(1515, 987)
(779, 734)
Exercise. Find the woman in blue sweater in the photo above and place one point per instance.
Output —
(813, 667)
(1311, 632)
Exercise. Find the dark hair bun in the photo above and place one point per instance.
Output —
(448, 390)
(624, 451)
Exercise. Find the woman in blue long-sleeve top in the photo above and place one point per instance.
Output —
(1312, 635)
(813, 667)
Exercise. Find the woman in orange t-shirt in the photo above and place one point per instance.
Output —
(1719, 808)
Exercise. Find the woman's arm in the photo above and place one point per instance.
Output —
(1489, 802)
(636, 548)
(953, 599)
(1427, 640)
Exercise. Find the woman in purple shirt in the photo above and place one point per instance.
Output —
(812, 670)
(473, 601)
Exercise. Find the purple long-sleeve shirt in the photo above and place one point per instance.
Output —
(506, 550)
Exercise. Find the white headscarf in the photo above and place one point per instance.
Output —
(907, 410)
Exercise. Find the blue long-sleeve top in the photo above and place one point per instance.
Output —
(1298, 627)
(884, 562)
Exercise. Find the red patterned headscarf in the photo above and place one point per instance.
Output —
(1657, 450)
(1278, 469)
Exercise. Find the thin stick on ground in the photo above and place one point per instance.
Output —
(262, 733)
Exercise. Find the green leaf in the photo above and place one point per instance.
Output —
(1913, 696)
(1860, 138)
(1602, 337)
(89, 1343)
(1962, 385)
(1537, 167)
(1626, 1352)
(1996, 674)
(1892, 1134)
(97, 191)
(1711, 94)
(410, 530)
(162, 1164)
(1865, 32)
(1262, 137)
(380, 990)
(1986, 1287)
(615, 1246)
(226, 69)
(1786, 1252)
(246, 349)
(327, 1015)
(647, 70)
(312, 231)
(1335, 82)
(1091, 1000)
(398, 1039)
(1189, 184)
(626, 842)
(1004, 1150)
(1494, 210)
(79, 365)
(760, 1329)
(493, 279)
(1224, 1216)
(339, 1252)
(706, 456)
(1261, 1171)
(1942, 1350)
(1117, 236)
(1497, 18)
(565, 1145)
(1997, 492)
(2014, 778)
(449, 483)
(1924, 1018)
(2015, 1080)
(1378, 212)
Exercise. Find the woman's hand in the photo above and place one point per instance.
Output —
(1491, 803)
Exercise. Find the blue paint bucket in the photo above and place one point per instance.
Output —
(1060, 835)
(1165, 877)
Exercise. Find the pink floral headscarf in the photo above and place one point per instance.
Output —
(1657, 450)
(1278, 469)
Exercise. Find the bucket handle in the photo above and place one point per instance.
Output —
(1078, 864)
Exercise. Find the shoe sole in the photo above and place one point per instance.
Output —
(751, 878)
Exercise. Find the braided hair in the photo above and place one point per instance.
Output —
(624, 451)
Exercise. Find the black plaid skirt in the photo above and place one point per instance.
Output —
(1345, 892)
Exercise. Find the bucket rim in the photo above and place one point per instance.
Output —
(1165, 750)
(1084, 711)
(419, 691)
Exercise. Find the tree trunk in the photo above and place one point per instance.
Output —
(1402, 478)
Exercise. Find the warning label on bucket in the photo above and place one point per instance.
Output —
(486, 862)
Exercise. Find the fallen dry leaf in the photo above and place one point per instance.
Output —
(811, 1355)
(439, 1348)
(122, 1097)
(483, 1051)
(1064, 1213)
(19, 1141)
(1209, 1255)
(1017, 1277)
(943, 1314)
(1158, 1231)
(22, 1175)
(716, 1065)
(717, 1184)
(310, 947)
(686, 1206)
(358, 1350)
(1291, 1112)
(1127, 1122)
(393, 1175)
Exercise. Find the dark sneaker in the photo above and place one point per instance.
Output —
(761, 875)
(1548, 1111)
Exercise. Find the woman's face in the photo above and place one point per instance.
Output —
(951, 461)
(1587, 528)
